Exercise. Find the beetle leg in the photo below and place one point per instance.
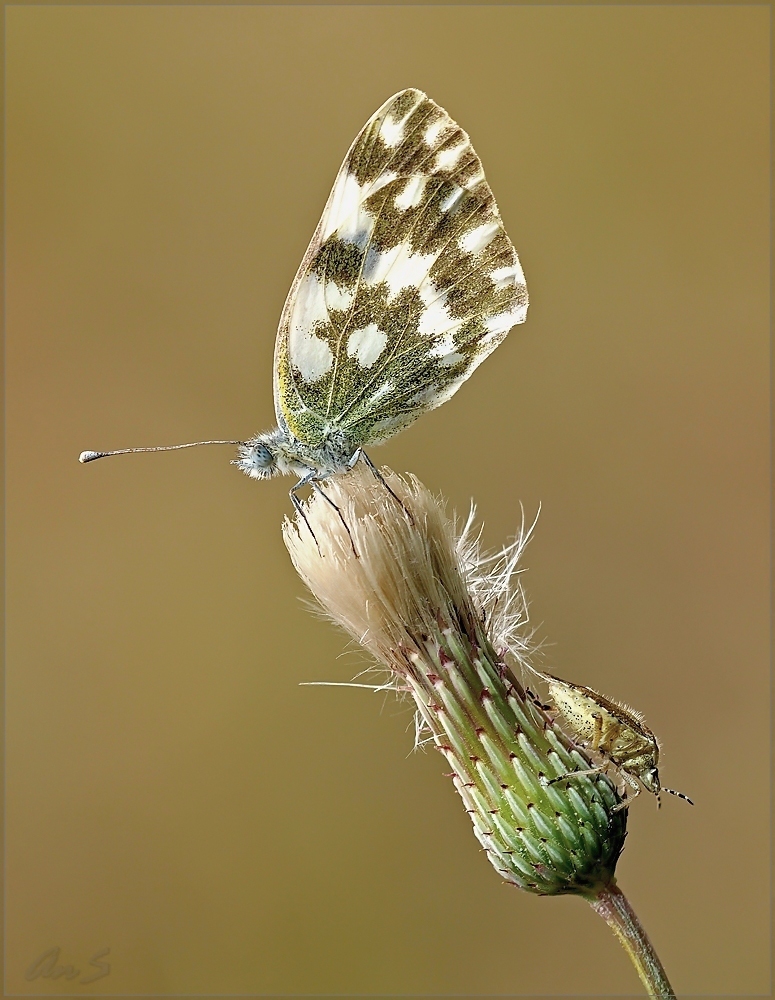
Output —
(630, 798)
(580, 774)
(598, 730)
(537, 701)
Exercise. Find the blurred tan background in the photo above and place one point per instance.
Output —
(173, 794)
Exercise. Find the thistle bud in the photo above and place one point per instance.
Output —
(450, 626)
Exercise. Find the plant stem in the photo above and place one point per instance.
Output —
(613, 906)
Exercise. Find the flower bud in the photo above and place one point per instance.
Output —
(450, 625)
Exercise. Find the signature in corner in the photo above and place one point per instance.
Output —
(46, 966)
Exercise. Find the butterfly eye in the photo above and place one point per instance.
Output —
(257, 460)
(262, 456)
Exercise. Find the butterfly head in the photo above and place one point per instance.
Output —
(258, 458)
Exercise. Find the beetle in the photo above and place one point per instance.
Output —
(614, 731)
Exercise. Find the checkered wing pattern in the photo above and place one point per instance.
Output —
(410, 281)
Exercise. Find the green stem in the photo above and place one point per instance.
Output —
(613, 906)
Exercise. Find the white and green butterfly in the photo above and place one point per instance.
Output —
(409, 282)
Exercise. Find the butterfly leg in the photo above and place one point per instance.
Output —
(319, 490)
(360, 453)
(297, 506)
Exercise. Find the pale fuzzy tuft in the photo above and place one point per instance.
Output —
(494, 580)
(374, 598)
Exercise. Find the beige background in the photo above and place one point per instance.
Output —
(172, 793)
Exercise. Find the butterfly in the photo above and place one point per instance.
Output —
(409, 282)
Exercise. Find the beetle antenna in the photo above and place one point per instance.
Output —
(679, 794)
(92, 456)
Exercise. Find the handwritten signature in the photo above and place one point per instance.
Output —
(47, 966)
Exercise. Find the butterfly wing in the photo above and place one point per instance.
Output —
(410, 281)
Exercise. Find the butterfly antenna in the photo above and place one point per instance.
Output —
(680, 795)
(92, 456)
